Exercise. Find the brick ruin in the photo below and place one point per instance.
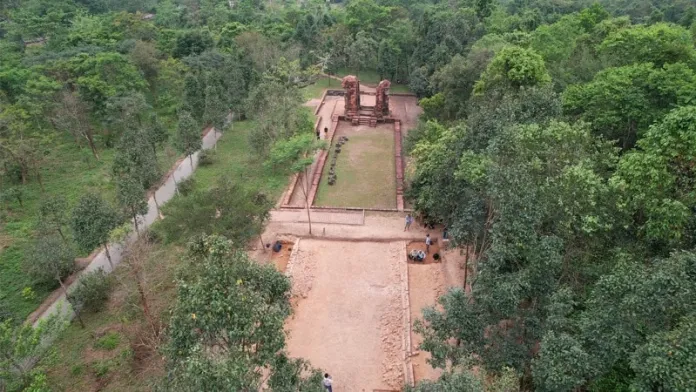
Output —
(357, 113)
(351, 85)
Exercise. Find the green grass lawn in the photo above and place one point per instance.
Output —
(372, 78)
(234, 158)
(316, 89)
(365, 172)
(69, 172)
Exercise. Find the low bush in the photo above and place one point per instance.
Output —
(92, 291)
(186, 186)
(206, 158)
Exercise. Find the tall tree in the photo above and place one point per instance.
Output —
(188, 136)
(52, 259)
(295, 156)
(656, 181)
(513, 67)
(254, 339)
(131, 197)
(72, 115)
(92, 220)
(53, 215)
(621, 103)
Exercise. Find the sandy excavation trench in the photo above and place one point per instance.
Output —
(349, 317)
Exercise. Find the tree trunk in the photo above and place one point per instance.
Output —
(466, 267)
(60, 231)
(39, 178)
(67, 297)
(143, 300)
(306, 197)
(135, 222)
(154, 198)
(263, 247)
(92, 146)
(108, 255)
(176, 186)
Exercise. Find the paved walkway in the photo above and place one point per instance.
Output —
(340, 225)
(163, 194)
(328, 217)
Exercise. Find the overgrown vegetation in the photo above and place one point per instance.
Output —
(557, 146)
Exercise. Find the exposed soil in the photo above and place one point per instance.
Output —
(348, 320)
(429, 257)
(280, 259)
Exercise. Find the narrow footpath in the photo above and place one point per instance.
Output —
(164, 193)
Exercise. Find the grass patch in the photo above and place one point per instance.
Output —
(372, 78)
(365, 172)
(316, 89)
(234, 158)
(108, 342)
(69, 172)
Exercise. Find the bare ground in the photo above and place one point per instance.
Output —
(348, 320)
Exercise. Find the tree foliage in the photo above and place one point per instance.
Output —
(212, 350)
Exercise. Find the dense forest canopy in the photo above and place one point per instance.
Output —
(557, 144)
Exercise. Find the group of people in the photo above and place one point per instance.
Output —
(428, 240)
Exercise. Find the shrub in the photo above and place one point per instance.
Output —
(92, 291)
(206, 158)
(186, 186)
(108, 342)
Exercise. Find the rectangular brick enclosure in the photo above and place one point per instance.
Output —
(365, 169)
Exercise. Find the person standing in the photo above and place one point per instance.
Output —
(328, 382)
(318, 135)
(409, 220)
(428, 241)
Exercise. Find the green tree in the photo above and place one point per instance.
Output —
(227, 209)
(53, 215)
(131, 197)
(21, 345)
(92, 291)
(295, 156)
(276, 105)
(192, 42)
(216, 109)
(188, 136)
(52, 259)
(92, 220)
(655, 180)
(387, 59)
(621, 103)
(530, 208)
(362, 52)
(135, 158)
(659, 44)
(513, 67)
(157, 134)
(257, 296)
(194, 96)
